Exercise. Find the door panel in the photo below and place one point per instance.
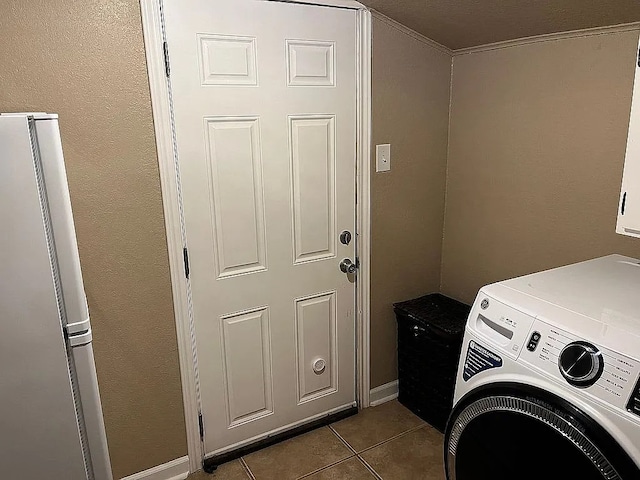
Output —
(314, 196)
(247, 366)
(227, 60)
(310, 63)
(315, 337)
(264, 101)
(235, 175)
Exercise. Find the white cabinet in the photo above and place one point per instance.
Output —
(629, 204)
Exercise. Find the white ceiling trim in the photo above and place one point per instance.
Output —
(408, 31)
(550, 37)
(329, 3)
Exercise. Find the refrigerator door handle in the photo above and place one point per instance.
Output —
(79, 333)
(78, 327)
(81, 339)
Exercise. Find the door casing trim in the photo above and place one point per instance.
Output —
(172, 205)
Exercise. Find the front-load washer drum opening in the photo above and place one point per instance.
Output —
(500, 437)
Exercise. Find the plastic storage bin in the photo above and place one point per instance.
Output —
(430, 332)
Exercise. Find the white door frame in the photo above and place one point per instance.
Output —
(174, 221)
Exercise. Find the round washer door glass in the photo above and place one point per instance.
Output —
(502, 437)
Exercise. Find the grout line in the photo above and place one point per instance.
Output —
(342, 439)
(394, 437)
(247, 469)
(369, 467)
(351, 450)
(327, 466)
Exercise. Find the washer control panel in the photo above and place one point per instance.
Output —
(581, 364)
(596, 370)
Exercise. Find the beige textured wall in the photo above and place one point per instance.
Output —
(537, 143)
(410, 111)
(85, 60)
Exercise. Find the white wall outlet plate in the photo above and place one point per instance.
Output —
(383, 157)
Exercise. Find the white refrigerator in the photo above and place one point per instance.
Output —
(51, 422)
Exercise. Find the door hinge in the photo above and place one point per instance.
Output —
(165, 49)
(185, 255)
(201, 426)
(639, 57)
(624, 202)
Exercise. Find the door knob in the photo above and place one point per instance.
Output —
(347, 266)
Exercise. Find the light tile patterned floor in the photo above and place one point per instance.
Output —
(386, 442)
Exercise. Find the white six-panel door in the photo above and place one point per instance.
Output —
(264, 103)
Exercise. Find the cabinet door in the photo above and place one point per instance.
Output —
(629, 205)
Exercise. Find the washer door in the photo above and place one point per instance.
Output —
(518, 432)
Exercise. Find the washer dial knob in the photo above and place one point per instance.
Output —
(581, 364)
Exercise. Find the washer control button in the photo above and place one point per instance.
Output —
(533, 341)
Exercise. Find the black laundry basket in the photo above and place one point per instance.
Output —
(430, 331)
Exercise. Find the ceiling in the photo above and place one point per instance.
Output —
(467, 23)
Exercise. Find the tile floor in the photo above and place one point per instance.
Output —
(385, 442)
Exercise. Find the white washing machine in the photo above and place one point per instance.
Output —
(548, 385)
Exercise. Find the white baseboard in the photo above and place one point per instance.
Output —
(383, 393)
(177, 469)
